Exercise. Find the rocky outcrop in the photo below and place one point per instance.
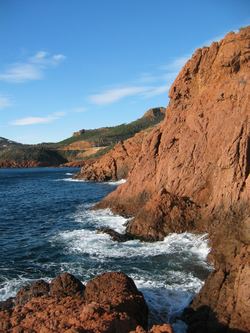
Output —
(201, 151)
(192, 174)
(116, 164)
(109, 303)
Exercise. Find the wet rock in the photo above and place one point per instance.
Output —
(66, 284)
(116, 236)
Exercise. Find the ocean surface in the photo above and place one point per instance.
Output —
(47, 227)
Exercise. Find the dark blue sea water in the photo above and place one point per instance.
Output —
(47, 227)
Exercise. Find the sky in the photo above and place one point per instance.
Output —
(72, 64)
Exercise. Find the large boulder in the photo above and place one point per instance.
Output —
(66, 284)
(110, 303)
(120, 292)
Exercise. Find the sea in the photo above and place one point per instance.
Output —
(47, 226)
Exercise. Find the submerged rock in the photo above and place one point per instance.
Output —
(116, 236)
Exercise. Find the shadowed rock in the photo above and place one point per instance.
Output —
(66, 285)
(116, 236)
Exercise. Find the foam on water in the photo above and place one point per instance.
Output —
(117, 182)
(10, 287)
(100, 245)
(69, 179)
(168, 272)
(99, 218)
(167, 293)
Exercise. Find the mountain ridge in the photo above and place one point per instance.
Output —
(75, 150)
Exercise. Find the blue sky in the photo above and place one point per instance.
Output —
(72, 64)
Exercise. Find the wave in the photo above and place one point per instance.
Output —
(70, 180)
(113, 183)
(163, 271)
(10, 287)
(69, 174)
(116, 182)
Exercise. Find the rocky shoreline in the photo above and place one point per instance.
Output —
(108, 303)
(192, 174)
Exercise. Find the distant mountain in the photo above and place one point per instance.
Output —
(111, 135)
(82, 145)
(5, 143)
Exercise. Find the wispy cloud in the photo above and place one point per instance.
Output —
(31, 69)
(33, 120)
(116, 94)
(5, 102)
(145, 86)
(38, 120)
(175, 65)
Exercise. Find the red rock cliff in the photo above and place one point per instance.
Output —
(201, 152)
(117, 163)
(193, 174)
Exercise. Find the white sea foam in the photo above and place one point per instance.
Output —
(100, 245)
(9, 287)
(167, 291)
(68, 174)
(99, 218)
(166, 296)
(70, 180)
(117, 182)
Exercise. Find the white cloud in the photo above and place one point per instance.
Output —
(38, 120)
(175, 65)
(32, 69)
(155, 91)
(5, 102)
(147, 85)
(116, 94)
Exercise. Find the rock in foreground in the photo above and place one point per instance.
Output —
(108, 303)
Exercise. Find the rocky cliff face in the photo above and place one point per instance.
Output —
(193, 174)
(117, 163)
(201, 151)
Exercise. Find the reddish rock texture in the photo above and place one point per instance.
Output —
(110, 303)
(200, 156)
(117, 163)
(202, 149)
